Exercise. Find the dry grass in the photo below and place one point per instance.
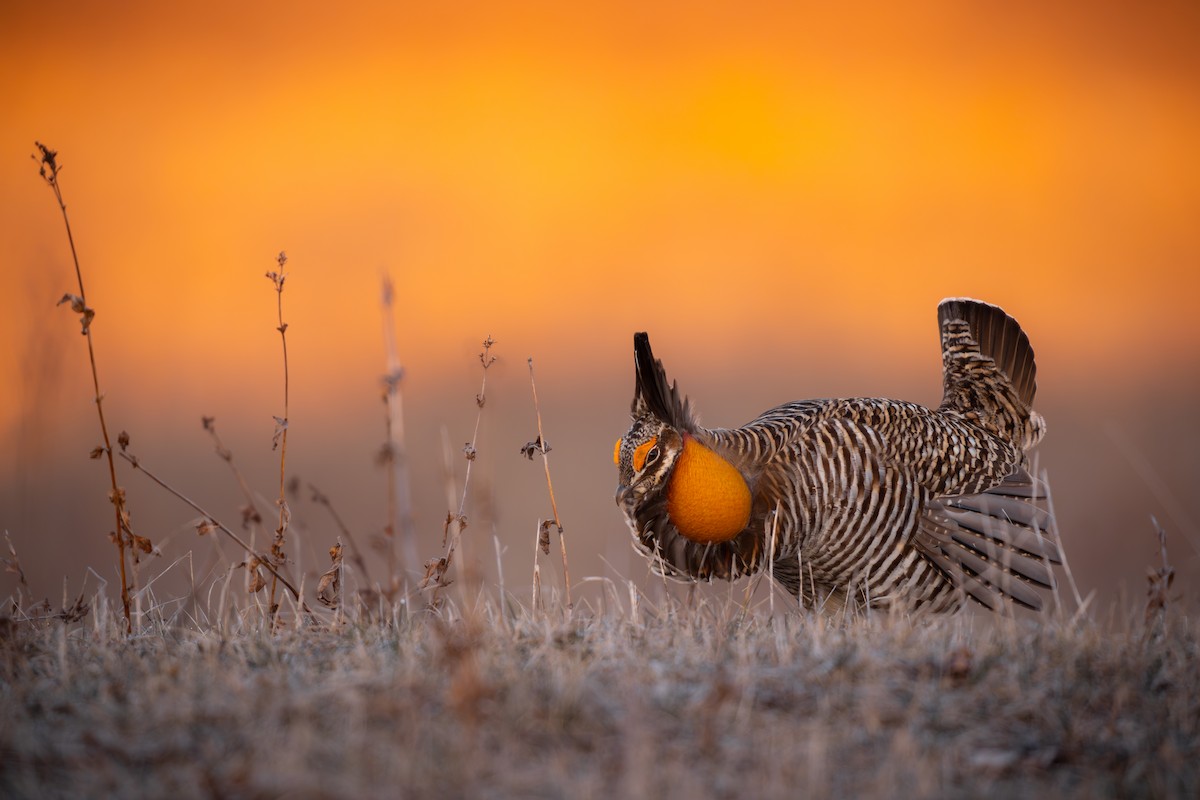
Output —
(700, 702)
(280, 438)
(122, 534)
(385, 689)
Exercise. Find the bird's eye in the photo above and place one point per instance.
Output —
(642, 454)
(652, 456)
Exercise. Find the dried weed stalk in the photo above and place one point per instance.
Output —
(329, 587)
(122, 535)
(1158, 584)
(281, 430)
(456, 521)
(209, 523)
(393, 455)
(320, 498)
(543, 540)
(251, 518)
(12, 563)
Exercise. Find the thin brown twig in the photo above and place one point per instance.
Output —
(320, 498)
(281, 429)
(123, 534)
(394, 456)
(544, 450)
(456, 522)
(486, 359)
(262, 559)
(536, 599)
(250, 516)
(1158, 582)
(13, 564)
(330, 584)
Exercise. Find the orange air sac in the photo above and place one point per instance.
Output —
(708, 499)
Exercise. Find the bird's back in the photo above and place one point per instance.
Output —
(841, 487)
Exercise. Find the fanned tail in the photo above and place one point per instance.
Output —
(996, 335)
(990, 376)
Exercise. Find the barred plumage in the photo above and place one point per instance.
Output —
(868, 502)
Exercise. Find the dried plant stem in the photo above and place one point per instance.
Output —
(122, 533)
(331, 585)
(1080, 603)
(281, 431)
(395, 458)
(321, 499)
(262, 559)
(1158, 585)
(389, 528)
(435, 570)
(503, 597)
(13, 565)
(250, 516)
(536, 600)
(771, 558)
(486, 359)
(562, 542)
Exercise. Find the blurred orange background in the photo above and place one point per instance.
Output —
(780, 193)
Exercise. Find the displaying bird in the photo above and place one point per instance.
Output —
(857, 502)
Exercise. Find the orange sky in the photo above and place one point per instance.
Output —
(769, 176)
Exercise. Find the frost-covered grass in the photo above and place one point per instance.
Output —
(711, 700)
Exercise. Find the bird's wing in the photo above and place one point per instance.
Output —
(994, 544)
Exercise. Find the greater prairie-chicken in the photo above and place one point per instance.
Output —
(866, 502)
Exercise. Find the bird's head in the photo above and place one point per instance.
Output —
(665, 462)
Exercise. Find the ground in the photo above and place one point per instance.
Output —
(710, 699)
